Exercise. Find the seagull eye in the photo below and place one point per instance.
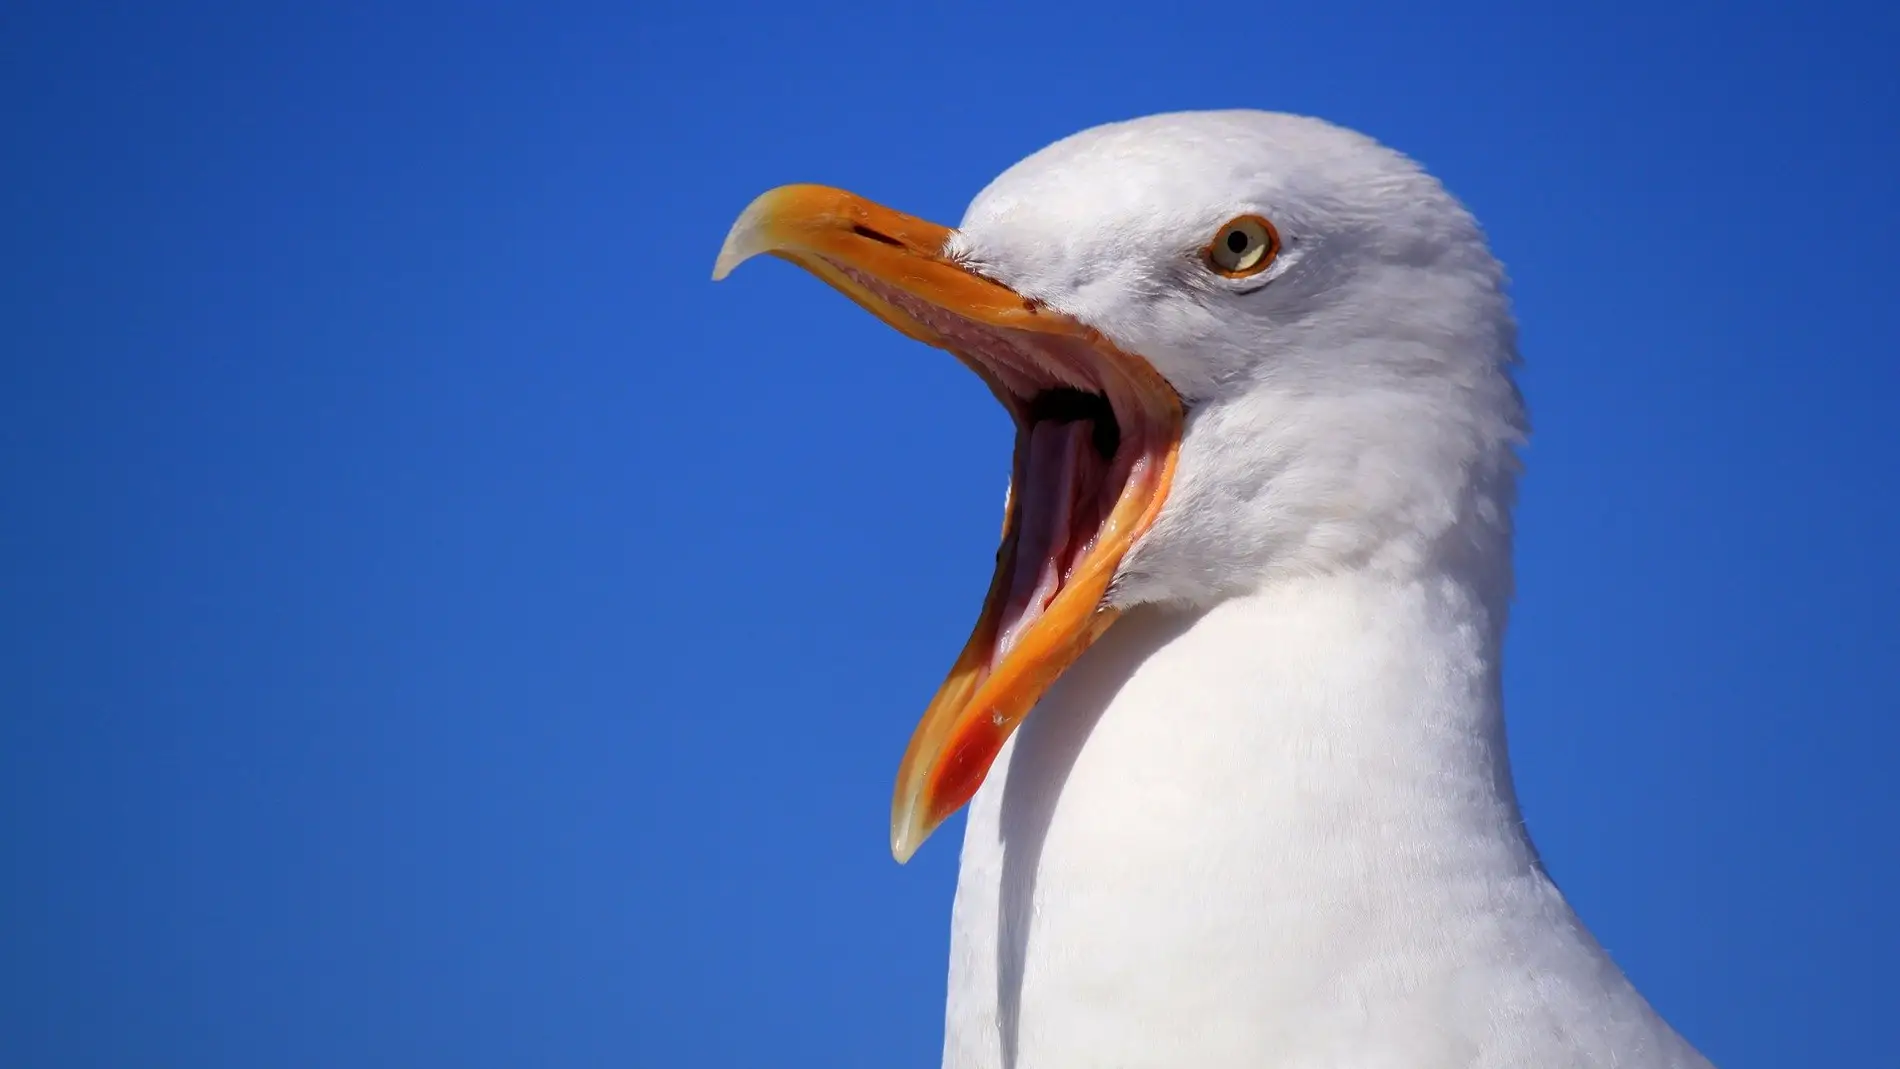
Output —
(1243, 247)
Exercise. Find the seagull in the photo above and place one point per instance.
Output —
(1230, 724)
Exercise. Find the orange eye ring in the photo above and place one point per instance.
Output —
(1245, 245)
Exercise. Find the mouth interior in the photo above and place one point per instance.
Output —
(1067, 447)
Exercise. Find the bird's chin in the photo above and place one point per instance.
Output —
(1097, 434)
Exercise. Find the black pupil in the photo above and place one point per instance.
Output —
(1237, 241)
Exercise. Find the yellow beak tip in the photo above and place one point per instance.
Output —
(752, 233)
(903, 848)
(908, 831)
(734, 252)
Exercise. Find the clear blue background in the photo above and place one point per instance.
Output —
(440, 627)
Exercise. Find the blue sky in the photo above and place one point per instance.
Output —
(443, 628)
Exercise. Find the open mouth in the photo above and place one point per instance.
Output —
(1069, 464)
(1097, 432)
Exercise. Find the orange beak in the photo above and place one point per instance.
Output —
(1098, 431)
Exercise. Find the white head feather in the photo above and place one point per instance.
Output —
(1351, 406)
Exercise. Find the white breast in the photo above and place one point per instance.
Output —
(1279, 834)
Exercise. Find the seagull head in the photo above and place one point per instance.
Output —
(1238, 346)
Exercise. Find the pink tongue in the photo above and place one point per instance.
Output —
(1056, 454)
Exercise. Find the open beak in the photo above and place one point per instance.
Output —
(1097, 433)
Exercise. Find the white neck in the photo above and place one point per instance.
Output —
(1283, 833)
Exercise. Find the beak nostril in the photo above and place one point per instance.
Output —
(867, 232)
